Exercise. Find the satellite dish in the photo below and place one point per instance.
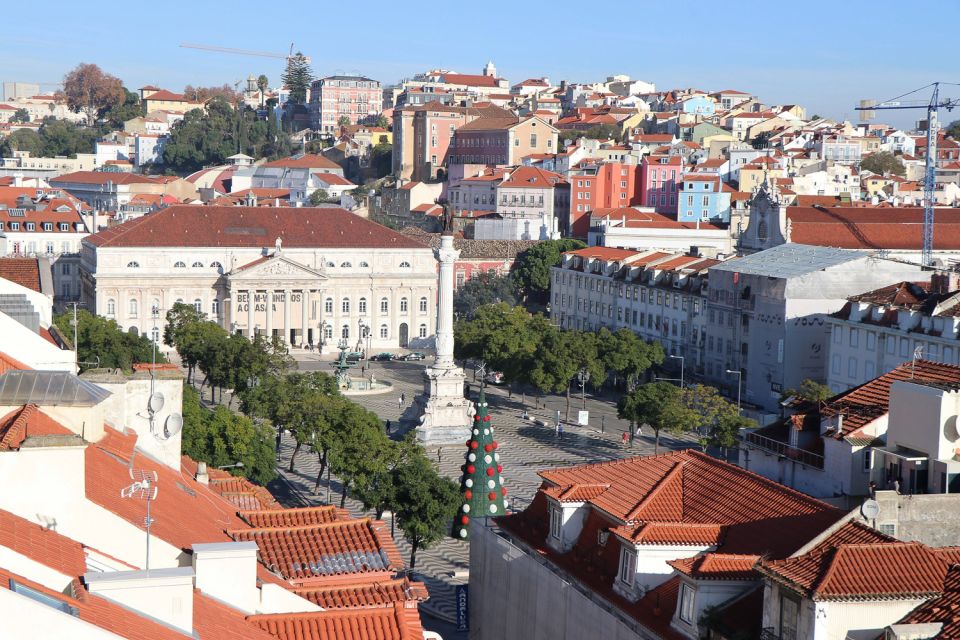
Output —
(870, 509)
(172, 425)
(156, 402)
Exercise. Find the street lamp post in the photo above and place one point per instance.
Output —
(681, 359)
(739, 375)
(583, 376)
(323, 335)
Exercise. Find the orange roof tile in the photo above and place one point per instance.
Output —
(394, 623)
(871, 227)
(294, 517)
(373, 593)
(43, 545)
(944, 609)
(22, 271)
(28, 421)
(305, 161)
(603, 253)
(718, 566)
(8, 363)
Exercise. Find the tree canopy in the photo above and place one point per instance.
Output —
(101, 340)
(600, 132)
(531, 270)
(482, 289)
(426, 503)
(53, 138)
(128, 109)
(809, 390)
(953, 130)
(883, 163)
(297, 78)
(90, 91)
(202, 94)
(20, 115)
(658, 405)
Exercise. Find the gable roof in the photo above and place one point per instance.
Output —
(377, 592)
(388, 623)
(28, 421)
(22, 271)
(532, 177)
(103, 177)
(944, 609)
(872, 227)
(219, 226)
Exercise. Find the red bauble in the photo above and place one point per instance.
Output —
(499, 468)
(495, 444)
(492, 495)
(474, 445)
(471, 468)
(490, 471)
(468, 494)
(487, 448)
(503, 491)
(486, 418)
(464, 519)
(477, 418)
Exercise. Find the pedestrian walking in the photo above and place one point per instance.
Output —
(363, 369)
(439, 453)
(625, 438)
(400, 402)
(388, 426)
(560, 430)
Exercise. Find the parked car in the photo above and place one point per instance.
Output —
(385, 356)
(415, 355)
(494, 377)
(355, 356)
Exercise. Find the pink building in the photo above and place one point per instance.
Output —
(660, 178)
(355, 97)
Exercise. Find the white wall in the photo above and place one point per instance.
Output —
(918, 414)
(33, 620)
(32, 350)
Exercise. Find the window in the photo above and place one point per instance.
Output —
(867, 459)
(198, 305)
(871, 341)
(854, 337)
(628, 565)
(215, 308)
(179, 264)
(197, 265)
(31, 226)
(556, 522)
(404, 265)
(423, 331)
(384, 305)
(327, 332)
(789, 613)
(155, 335)
(133, 265)
(345, 331)
(835, 364)
(384, 331)
(364, 265)
(132, 307)
(687, 602)
(111, 307)
(216, 265)
(49, 247)
(888, 529)
(403, 305)
(328, 305)
(362, 305)
(423, 305)
(345, 265)
(345, 305)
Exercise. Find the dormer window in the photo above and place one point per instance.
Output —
(556, 522)
(628, 566)
(48, 226)
(686, 608)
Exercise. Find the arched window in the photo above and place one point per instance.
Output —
(345, 331)
(362, 305)
(345, 265)
(384, 305)
(111, 307)
(423, 305)
(423, 331)
(403, 305)
(133, 264)
(179, 301)
(330, 264)
(345, 305)
(328, 305)
(155, 335)
(180, 264)
(155, 308)
(197, 265)
(363, 264)
(327, 332)
(384, 331)
(216, 265)
(133, 306)
(404, 265)
(198, 305)
(215, 308)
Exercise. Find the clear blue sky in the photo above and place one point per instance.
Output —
(824, 55)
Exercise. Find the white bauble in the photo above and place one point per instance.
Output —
(466, 508)
(491, 484)
(487, 459)
(463, 533)
(469, 483)
(472, 457)
(496, 457)
(476, 432)
(486, 432)
(493, 508)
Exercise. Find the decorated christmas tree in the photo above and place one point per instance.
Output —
(482, 486)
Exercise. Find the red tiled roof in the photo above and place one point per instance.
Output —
(532, 177)
(215, 226)
(331, 548)
(490, 123)
(43, 545)
(717, 566)
(386, 623)
(576, 492)
(28, 421)
(22, 271)
(305, 161)
(167, 96)
(293, 517)
(102, 177)
(944, 609)
(333, 179)
(872, 228)
(671, 533)
(469, 79)
(8, 363)
(603, 253)
(373, 593)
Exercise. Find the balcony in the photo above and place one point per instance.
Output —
(783, 449)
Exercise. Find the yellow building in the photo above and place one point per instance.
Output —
(752, 175)
(157, 99)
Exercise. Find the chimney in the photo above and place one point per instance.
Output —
(202, 476)
(944, 282)
(163, 594)
(228, 572)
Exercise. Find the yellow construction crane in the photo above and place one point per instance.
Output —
(241, 52)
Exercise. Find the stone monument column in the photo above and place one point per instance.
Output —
(445, 412)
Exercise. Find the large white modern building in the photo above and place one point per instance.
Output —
(305, 275)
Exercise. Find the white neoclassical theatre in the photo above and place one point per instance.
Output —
(327, 274)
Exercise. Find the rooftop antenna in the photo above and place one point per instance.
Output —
(917, 355)
(144, 487)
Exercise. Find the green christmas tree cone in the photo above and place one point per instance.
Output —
(481, 485)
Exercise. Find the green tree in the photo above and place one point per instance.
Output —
(181, 332)
(505, 337)
(658, 406)
(64, 138)
(90, 91)
(425, 503)
(953, 130)
(357, 451)
(22, 140)
(809, 390)
(600, 132)
(343, 121)
(381, 159)
(625, 354)
(484, 288)
(20, 115)
(531, 270)
(555, 363)
(263, 84)
(202, 94)
(376, 488)
(297, 78)
(129, 109)
(318, 197)
(100, 340)
(222, 438)
(718, 420)
(883, 163)
(381, 122)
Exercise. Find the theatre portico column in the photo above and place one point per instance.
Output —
(285, 334)
(250, 307)
(304, 301)
(269, 308)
